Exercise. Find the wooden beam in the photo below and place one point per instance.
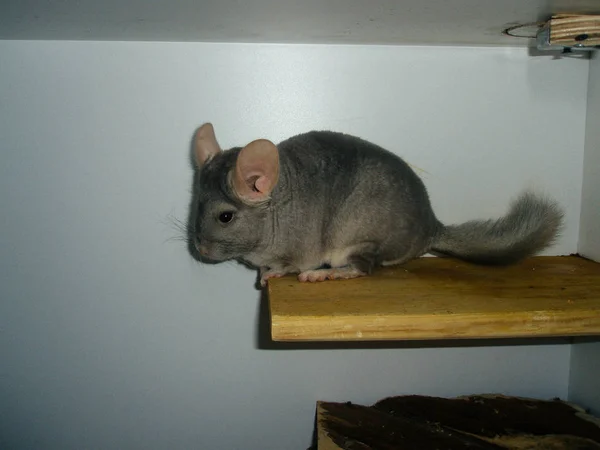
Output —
(570, 30)
(439, 298)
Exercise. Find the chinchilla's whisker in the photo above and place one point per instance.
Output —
(177, 238)
(181, 229)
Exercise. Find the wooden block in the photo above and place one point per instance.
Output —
(442, 298)
(475, 422)
(569, 30)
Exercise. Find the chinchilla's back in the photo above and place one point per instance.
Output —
(345, 190)
(338, 190)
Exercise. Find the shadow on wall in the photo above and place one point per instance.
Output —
(192, 208)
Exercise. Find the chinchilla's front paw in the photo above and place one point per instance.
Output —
(266, 274)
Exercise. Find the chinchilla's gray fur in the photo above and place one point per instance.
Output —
(343, 202)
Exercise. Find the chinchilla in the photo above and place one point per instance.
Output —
(327, 205)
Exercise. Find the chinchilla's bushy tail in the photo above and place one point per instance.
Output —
(532, 224)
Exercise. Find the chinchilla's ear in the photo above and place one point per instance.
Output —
(205, 144)
(256, 171)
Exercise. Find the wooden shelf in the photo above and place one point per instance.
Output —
(439, 298)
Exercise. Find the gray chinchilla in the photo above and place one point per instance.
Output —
(328, 205)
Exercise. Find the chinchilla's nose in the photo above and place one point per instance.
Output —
(201, 247)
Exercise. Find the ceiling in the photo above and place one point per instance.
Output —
(445, 22)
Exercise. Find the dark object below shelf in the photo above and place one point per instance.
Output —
(478, 422)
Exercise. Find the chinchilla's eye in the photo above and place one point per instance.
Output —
(226, 217)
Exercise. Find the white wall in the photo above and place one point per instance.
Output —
(112, 337)
(584, 383)
(589, 241)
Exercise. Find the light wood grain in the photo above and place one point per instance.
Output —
(439, 298)
(565, 28)
(324, 442)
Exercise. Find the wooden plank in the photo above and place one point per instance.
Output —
(570, 30)
(440, 298)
